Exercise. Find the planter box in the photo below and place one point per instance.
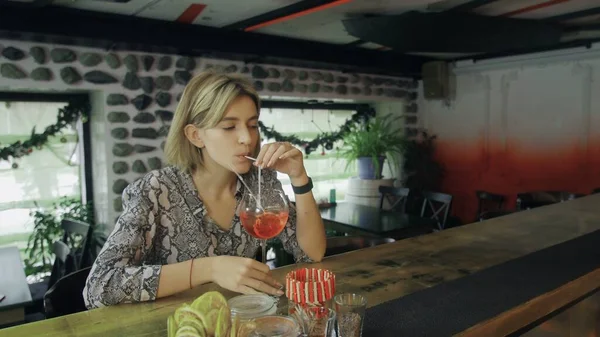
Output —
(365, 192)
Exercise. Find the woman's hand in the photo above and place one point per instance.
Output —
(282, 157)
(244, 275)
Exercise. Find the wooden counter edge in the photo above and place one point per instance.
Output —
(529, 312)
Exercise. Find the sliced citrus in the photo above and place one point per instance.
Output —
(209, 301)
(187, 331)
(235, 324)
(194, 323)
(211, 321)
(171, 326)
(185, 311)
(246, 328)
(223, 322)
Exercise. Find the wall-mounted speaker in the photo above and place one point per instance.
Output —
(436, 80)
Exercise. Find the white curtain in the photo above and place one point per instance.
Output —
(44, 175)
(327, 171)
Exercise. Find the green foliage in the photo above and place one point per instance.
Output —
(66, 117)
(379, 137)
(421, 171)
(323, 139)
(47, 229)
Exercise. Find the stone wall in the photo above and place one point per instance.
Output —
(135, 94)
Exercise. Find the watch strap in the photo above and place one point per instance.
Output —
(304, 188)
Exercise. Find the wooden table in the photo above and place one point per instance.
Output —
(579, 320)
(372, 221)
(13, 285)
(388, 272)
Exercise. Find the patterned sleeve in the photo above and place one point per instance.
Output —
(118, 274)
(288, 235)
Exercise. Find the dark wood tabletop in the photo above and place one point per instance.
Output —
(390, 271)
(371, 220)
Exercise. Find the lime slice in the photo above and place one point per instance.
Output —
(211, 321)
(187, 331)
(223, 322)
(194, 323)
(185, 311)
(235, 324)
(246, 328)
(209, 301)
(171, 327)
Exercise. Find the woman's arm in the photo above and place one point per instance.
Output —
(309, 224)
(304, 234)
(118, 274)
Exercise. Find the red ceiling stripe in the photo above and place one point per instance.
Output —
(191, 13)
(534, 7)
(298, 14)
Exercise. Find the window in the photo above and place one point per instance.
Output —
(41, 178)
(327, 170)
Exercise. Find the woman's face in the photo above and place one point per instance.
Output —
(233, 138)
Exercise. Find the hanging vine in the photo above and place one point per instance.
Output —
(324, 139)
(66, 117)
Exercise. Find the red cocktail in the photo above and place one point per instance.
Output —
(264, 217)
(266, 225)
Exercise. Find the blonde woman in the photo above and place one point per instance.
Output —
(179, 229)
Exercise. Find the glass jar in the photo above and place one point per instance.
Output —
(268, 326)
(247, 307)
(310, 294)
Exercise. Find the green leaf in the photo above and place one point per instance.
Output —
(377, 138)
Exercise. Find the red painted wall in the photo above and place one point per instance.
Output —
(513, 131)
(510, 170)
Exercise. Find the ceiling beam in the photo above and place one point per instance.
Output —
(462, 32)
(470, 5)
(574, 15)
(355, 43)
(32, 4)
(298, 7)
(272, 104)
(56, 24)
(524, 51)
(532, 8)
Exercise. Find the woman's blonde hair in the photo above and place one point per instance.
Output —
(203, 104)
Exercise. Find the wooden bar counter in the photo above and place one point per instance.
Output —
(391, 271)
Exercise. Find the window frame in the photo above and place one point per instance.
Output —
(313, 105)
(87, 188)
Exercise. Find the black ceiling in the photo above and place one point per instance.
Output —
(71, 26)
(458, 27)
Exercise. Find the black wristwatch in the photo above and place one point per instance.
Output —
(304, 188)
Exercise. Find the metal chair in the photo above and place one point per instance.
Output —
(484, 199)
(76, 235)
(63, 264)
(66, 295)
(395, 196)
(439, 206)
(530, 200)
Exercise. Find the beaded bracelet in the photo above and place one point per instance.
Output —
(191, 266)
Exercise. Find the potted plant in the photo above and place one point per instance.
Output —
(371, 143)
(47, 229)
(421, 170)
